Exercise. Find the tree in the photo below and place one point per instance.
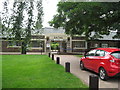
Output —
(28, 29)
(88, 17)
(17, 18)
(39, 15)
(5, 20)
(22, 26)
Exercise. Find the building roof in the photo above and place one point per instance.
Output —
(107, 37)
(49, 31)
(53, 30)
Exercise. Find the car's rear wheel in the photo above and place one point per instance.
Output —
(103, 74)
(82, 66)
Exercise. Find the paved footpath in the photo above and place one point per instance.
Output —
(84, 75)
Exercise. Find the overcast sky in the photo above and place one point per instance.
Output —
(49, 9)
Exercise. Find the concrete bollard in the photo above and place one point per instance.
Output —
(67, 67)
(49, 54)
(57, 60)
(93, 82)
(52, 56)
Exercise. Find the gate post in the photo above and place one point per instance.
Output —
(52, 56)
(93, 82)
(58, 60)
(67, 67)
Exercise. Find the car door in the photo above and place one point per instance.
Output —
(99, 55)
(89, 58)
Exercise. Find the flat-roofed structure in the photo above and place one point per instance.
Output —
(52, 39)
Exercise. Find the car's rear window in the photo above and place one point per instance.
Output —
(116, 54)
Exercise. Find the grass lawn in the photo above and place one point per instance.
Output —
(79, 55)
(36, 71)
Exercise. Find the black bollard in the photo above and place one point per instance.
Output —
(49, 54)
(52, 56)
(93, 82)
(58, 60)
(67, 67)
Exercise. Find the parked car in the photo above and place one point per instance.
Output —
(104, 61)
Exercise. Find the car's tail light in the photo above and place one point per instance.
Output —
(112, 60)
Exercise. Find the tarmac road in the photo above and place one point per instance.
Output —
(84, 75)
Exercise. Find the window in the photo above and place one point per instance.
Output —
(17, 43)
(79, 44)
(14, 43)
(96, 45)
(104, 45)
(37, 44)
(91, 53)
(100, 53)
(116, 54)
(10, 43)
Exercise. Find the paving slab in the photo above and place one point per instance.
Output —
(84, 75)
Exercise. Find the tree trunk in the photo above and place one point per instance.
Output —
(23, 48)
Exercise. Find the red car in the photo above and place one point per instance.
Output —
(105, 61)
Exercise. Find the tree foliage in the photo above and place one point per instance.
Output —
(40, 14)
(5, 20)
(22, 22)
(17, 19)
(88, 17)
